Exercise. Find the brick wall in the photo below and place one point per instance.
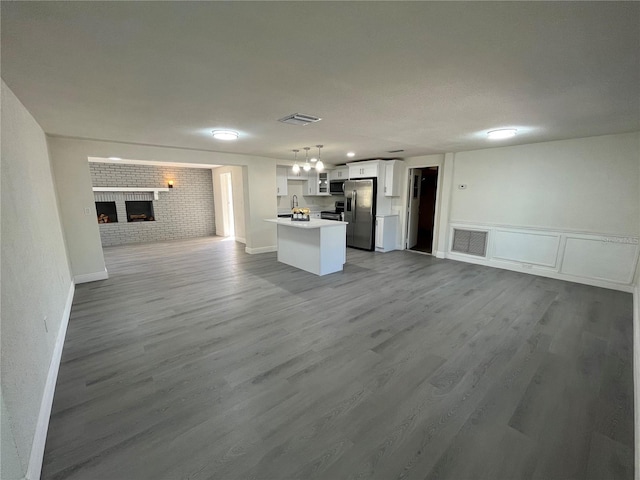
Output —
(185, 211)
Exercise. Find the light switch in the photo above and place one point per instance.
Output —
(87, 211)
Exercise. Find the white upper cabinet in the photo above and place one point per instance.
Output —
(318, 184)
(302, 175)
(369, 169)
(281, 181)
(341, 173)
(392, 177)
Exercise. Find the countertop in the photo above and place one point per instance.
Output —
(313, 223)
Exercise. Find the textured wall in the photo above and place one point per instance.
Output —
(36, 276)
(186, 211)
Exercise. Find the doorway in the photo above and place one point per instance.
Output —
(226, 190)
(421, 214)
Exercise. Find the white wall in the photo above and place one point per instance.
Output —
(588, 184)
(636, 360)
(69, 157)
(36, 292)
(567, 209)
(237, 185)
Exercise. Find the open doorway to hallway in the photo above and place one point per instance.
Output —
(226, 190)
(423, 185)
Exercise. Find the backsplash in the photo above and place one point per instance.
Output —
(314, 203)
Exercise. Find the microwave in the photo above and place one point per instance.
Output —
(336, 187)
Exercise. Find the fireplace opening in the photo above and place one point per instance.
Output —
(107, 212)
(139, 211)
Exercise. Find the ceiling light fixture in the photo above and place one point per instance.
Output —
(319, 165)
(115, 158)
(307, 166)
(296, 167)
(309, 163)
(225, 135)
(351, 154)
(502, 133)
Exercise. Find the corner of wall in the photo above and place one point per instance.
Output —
(636, 374)
(40, 438)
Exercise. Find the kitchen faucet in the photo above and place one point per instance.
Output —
(294, 201)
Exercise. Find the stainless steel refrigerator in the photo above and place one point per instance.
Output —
(360, 212)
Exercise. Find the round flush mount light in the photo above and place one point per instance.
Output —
(501, 133)
(225, 135)
(351, 154)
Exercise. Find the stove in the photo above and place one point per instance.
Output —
(331, 216)
(337, 214)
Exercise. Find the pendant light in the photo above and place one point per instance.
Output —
(307, 165)
(319, 164)
(296, 167)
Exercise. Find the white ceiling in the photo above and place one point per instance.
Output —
(426, 77)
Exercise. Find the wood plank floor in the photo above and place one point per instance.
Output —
(196, 360)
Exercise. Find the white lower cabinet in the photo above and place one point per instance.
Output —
(386, 228)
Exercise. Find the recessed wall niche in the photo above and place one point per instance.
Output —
(107, 212)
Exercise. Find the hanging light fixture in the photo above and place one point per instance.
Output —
(307, 166)
(296, 167)
(309, 163)
(319, 164)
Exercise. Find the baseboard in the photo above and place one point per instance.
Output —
(440, 254)
(91, 277)
(542, 272)
(241, 240)
(636, 374)
(252, 251)
(39, 439)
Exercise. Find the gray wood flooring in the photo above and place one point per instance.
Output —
(196, 360)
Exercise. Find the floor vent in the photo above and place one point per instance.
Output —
(471, 242)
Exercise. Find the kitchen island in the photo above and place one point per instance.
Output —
(316, 246)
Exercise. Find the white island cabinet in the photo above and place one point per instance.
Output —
(316, 246)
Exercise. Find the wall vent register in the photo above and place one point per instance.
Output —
(471, 242)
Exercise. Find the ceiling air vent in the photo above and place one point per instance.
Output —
(299, 119)
(471, 242)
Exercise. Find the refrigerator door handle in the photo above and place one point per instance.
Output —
(355, 201)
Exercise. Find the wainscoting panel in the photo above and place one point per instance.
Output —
(597, 259)
(526, 247)
(604, 258)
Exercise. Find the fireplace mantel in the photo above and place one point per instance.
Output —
(133, 189)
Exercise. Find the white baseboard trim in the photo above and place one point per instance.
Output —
(440, 254)
(241, 240)
(636, 373)
(91, 277)
(272, 248)
(543, 272)
(37, 447)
